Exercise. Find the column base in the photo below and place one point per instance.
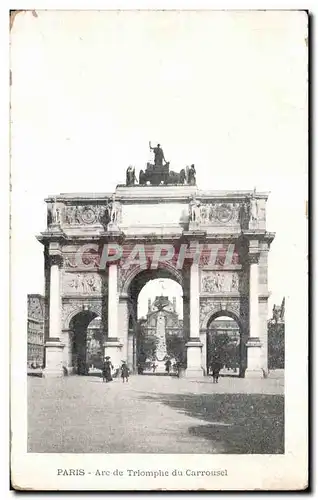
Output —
(53, 358)
(113, 349)
(194, 363)
(51, 373)
(194, 373)
(254, 373)
(254, 361)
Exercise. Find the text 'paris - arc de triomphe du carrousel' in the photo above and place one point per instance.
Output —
(100, 250)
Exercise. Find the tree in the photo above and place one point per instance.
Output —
(276, 345)
(146, 347)
(176, 347)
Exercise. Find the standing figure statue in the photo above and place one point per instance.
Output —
(130, 176)
(254, 208)
(194, 210)
(159, 155)
(182, 176)
(113, 210)
(56, 213)
(187, 170)
(192, 175)
(142, 178)
(244, 213)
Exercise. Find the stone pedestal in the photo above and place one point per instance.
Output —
(160, 366)
(113, 349)
(254, 359)
(53, 358)
(194, 367)
(112, 227)
(194, 345)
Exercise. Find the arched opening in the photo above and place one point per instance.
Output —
(157, 318)
(224, 344)
(87, 342)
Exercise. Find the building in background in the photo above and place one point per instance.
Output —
(162, 310)
(94, 344)
(36, 318)
(225, 327)
(276, 338)
(174, 325)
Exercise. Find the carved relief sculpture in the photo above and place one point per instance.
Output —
(217, 282)
(215, 213)
(82, 283)
(86, 214)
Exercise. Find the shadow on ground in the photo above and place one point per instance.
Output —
(237, 423)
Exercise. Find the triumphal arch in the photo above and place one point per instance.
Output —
(100, 250)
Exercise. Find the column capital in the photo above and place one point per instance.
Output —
(55, 260)
(253, 257)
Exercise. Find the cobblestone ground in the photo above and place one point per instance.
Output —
(155, 414)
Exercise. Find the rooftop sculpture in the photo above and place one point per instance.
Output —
(159, 172)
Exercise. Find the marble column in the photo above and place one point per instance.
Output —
(130, 351)
(194, 345)
(113, 346)
(186, 317)
(123, 319)
(254, 360)
(53, 345)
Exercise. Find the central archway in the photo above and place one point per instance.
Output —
(144, 330)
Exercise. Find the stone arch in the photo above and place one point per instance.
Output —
(212, 308)
(129, 277)
(70, 310)
(223, 312)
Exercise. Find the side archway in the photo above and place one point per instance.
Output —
(225, 342)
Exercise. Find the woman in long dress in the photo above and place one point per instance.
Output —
(107, 370)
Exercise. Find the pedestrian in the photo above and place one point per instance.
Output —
(168, 366)
(107, 370)
(124, 371)
(216, 366)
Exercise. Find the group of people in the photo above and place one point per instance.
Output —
(167, 366)
(108, 369)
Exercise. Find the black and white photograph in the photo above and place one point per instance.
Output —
(159, 249)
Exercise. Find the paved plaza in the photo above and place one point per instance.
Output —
(155, 414)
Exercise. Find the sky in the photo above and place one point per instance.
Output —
(224, 90)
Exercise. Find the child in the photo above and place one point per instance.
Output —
(124, 372)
